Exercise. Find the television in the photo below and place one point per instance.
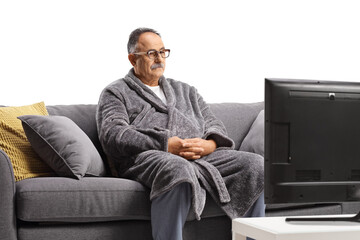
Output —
(312, 142)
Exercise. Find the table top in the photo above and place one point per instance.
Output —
(277, 228)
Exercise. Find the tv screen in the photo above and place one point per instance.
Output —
(312, 141)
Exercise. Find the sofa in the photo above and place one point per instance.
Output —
(110, 208)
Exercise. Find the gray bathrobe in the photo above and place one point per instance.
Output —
(134, 127)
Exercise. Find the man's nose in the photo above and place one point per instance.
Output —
(158, 58)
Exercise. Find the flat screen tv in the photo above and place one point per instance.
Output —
(312, 142)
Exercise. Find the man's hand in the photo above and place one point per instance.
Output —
(181, 148)
(208, 146)
(192, 148)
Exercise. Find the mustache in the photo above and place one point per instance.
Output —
(157, 65)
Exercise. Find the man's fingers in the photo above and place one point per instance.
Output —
(194, 157)
(190, 155)
(191, 144)
(196, 150)
(192, 140)
(187, 154)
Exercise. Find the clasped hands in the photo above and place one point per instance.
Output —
(191, 148)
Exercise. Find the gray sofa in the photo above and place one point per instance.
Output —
(114, 208)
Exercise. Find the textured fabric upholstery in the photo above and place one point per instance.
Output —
(254, 140)
(7, 199)
(88, 200)
(63, 146)
(237, 118)
(218, 228)
(26, 163)
(84, 116)
(91, 199)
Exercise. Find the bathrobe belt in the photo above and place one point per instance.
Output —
(212, 175)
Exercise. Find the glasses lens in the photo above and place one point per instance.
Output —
(165, 53)
(152, 54)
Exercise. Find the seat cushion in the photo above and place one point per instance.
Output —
(91, 199)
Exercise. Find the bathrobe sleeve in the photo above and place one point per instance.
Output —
(214, 128)
(117, 136)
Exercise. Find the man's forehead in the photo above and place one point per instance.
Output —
(150, 40)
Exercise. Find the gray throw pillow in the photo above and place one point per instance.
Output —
(254, 140)
(63, 146)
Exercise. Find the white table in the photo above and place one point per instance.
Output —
(275, 228)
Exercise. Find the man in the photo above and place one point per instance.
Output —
(161, 133)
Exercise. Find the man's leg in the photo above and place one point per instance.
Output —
(169, 212)
(257, 209)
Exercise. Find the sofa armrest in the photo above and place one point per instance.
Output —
(237, 118)
(254, 140)
(8, 229)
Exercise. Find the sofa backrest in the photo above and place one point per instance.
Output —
(237, 118)
(84, 116)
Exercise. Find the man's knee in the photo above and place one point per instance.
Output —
(254, 162)
(182, 191)
(179, 193)
(184, 188)
(181, 165)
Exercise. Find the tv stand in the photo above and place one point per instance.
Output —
(355, 218)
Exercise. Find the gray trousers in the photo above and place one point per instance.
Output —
(169, 212)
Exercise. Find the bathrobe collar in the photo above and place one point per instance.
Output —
(148, 95)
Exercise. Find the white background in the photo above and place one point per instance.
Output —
(66, 52)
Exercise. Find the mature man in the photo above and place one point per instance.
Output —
(160, 132)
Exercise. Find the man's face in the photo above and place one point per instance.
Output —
(145, 68)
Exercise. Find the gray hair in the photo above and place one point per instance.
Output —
(134, 38)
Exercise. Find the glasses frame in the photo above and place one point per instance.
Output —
(158, 53)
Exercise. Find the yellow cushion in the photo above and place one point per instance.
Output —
(26, 163)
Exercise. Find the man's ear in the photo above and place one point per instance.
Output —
(132, 59)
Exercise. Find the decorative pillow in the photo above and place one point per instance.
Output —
(26, 163)
(63, 146)
(254, 140)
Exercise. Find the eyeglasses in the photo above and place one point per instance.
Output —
(152, 54)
